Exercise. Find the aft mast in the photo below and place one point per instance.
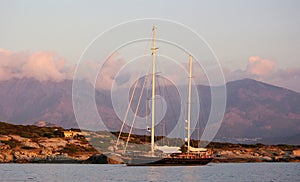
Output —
(189, 105)
(153, 90)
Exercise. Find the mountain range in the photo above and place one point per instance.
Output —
(255, 111)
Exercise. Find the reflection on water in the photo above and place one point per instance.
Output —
(94, 172)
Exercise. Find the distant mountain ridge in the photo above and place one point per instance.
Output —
(254, 109)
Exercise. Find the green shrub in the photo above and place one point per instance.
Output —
(27, 148)
(11, 143)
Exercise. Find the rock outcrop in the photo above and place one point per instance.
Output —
(18, 149)
(262, 153)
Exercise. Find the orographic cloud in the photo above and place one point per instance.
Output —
(259, 66)
(41, 66)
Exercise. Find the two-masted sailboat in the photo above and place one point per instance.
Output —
(165, 155)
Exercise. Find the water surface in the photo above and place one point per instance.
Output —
(95, 172)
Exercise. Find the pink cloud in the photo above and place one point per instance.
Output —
(11, 64)
(259, 66)
(44, 66)
(5, 52)
(39, 65)
(264, 70)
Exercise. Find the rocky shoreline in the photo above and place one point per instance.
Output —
(16, 149)
(256, 153)
(31, 144)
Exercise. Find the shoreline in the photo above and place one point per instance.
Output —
(102, 159)
(32, 144)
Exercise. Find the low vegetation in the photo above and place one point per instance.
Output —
(30, 131)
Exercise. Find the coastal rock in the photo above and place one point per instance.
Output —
(296, 153)
(24, 155)
(19, 138)
(5, 153)
(5, 138)
(267, 159)
(97, 159)
(53, 143)
(30, 144)
(114, 159)
(78, 142)
(4, 147)
(45, 152)
(6, 157)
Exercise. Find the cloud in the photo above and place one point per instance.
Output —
(44, 66)
(41, 66)
(288, 78)
(108, 72)
(259, 66)
(5, 52)
(11, 64)
(264, 70)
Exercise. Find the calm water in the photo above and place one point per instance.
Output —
(211, 172)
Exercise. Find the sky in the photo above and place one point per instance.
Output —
(257, 39)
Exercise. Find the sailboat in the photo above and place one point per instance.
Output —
(166, 155)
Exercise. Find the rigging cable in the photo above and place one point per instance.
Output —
(135, 114)
(131, 98)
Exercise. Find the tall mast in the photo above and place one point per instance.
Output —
(153, 89)
(189, 104)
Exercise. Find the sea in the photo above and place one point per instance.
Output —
(101, 172)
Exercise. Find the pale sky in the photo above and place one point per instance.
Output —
(236, 30)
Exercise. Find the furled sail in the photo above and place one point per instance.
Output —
(193, 149)
(168, 150)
